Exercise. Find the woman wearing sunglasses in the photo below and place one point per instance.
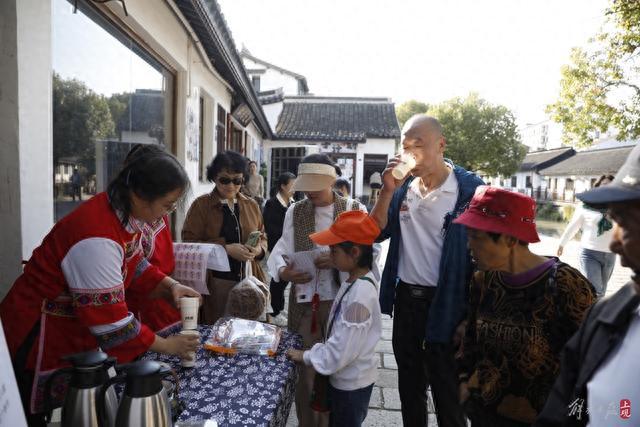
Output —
(226, 217)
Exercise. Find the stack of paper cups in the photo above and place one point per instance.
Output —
(191, 361)
(189, 311)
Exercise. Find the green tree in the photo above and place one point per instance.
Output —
(600, 87)
(480, 136)
(410, 108)
(80, 116)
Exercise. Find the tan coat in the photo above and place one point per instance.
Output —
(203, 224)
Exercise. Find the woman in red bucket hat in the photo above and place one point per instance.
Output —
(523, 308)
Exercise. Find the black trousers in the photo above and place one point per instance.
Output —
(418, 367)
(277, 296)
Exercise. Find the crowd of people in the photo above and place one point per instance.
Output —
(502, 336)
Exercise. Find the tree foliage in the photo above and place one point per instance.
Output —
(600, 88)
(80, 116)
(410, 108)
(480, 136)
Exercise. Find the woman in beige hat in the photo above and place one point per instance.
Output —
(309, 303)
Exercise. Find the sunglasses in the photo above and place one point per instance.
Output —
(226, 181)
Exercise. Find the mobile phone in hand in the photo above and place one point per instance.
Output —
(254, 238)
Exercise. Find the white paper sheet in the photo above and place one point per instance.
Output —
(193, 260)
(11, 411)
(323, 284)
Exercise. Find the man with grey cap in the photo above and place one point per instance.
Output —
(598, 383)
(310, 300)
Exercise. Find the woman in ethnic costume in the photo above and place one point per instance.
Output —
(71, 295)
(316, 176)
(523, 308)
(157, 246)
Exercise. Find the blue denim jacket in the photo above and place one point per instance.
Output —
(450, 302)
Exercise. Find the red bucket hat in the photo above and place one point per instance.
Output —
(351, 226)
(500, 211)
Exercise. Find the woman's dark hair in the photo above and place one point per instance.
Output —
(366, 253)
(229, 160)
(600, 180)
(322, 158)
(149, 172)
(283, 179)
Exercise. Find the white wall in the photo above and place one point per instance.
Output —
(26, 161)
(272, 111)
(273, 79)
(26, 187)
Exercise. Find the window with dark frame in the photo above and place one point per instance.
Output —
(221, 130)
(514, 181)
(528, 182)
(373, 163)
(128, 113)
(255, 82)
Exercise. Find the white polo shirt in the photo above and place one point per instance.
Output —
(421, 235)
(613, 392)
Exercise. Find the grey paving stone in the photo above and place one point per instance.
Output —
(381, 418)
(387, 378)
(389, 361)
(387, 334)
(376, 398)
(391, 398)
(384, 347)
(379, 357)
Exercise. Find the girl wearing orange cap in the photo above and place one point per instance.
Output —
(347, 354)
(522, 310)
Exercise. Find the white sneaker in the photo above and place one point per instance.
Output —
(279, 320)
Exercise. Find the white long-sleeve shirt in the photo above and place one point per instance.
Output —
(587, 220)
(348, 355)
(286, 246)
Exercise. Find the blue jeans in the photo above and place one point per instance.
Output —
(597, 266)
(348, 408)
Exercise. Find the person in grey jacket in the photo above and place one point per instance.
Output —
(598, 381)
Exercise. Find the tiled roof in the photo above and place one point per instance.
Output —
(271, 96)
(337, 119)
(246, 54)
(590, 162)
(208, 23)
(536, 160)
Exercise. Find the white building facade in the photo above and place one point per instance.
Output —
(102, 58)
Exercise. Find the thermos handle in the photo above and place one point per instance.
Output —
(101, 402)
(178, 407)
(48, 403)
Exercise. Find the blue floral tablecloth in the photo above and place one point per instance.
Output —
(240, 390)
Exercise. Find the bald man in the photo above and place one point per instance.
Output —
(427, 272)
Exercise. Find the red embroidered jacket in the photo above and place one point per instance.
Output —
(156, 313)
(70, 297)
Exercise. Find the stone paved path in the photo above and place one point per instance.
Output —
(384, 408)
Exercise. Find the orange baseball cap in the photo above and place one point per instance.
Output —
(351, 226)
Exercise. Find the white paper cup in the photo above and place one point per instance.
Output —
(407, 162)
(189, 311)
(191, 361)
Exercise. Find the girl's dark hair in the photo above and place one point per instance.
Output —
(283, 179)
(366, 253)
(149, 172)
(322, 158)
(230, 160)
(341, 182)
(598, 183)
